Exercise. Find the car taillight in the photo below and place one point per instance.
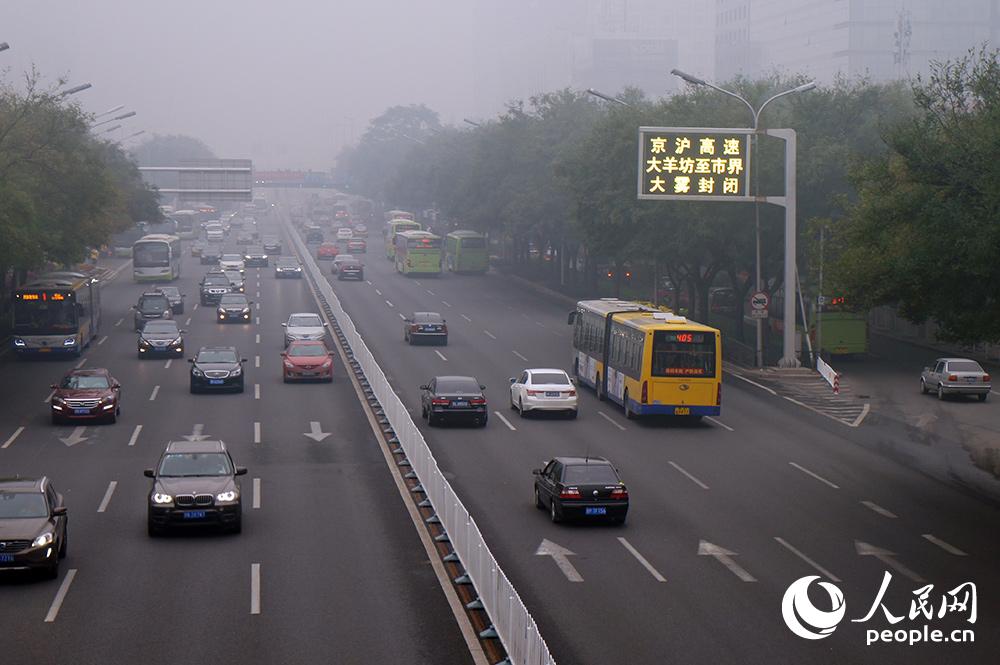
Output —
(986, 378)
(571, 393)
(534, 393)
(645, 392)
(440, 401)
(718, 395)
(619, 493)
(477, 401)
(569, 493)
(952, 377)
(415, 328)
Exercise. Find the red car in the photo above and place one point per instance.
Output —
(357, 246)
(307, 360)
(86, 394)
(328, 250)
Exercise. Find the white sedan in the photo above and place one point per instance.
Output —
(543, 390)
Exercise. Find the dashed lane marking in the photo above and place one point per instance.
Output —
(255, 588)
(814, 475)
(256, 432)
(156, 391)
(81, 363)
(107, 496)
(489, 334)
(60, 596)
(431, 292)
(950, 549)
(823, 571)
(135, 435)
(167, 364)
(188, 322)
(195, 306)
(17, 433)
(257, 339)
(256, 391)
(610, 420)
(389, 303)
(641, 559)
(120, 321)
(719, 423)
(102, 340)
(466, 318)
(505, 421)
(446, 303)
(440, 355)
(377, 292)
(256, 361)
(256, 493)
(689, 476)
(879, 509)
(519, 356)
(401, 315)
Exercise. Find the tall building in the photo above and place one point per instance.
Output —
(878, 39)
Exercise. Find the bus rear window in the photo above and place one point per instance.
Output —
(683, 353)
(473, 243)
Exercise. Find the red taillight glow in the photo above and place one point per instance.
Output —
(535, 393)
(619, 493)
(477, 401)
(571, 393)
(986, 378)
(952, 377)
(645, 392)
(415, 328)
(569, 493)
(440, 401)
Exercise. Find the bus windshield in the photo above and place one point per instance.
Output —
(682, 353)
(151, 254)
(44, 317)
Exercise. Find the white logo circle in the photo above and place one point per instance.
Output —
(805, 619)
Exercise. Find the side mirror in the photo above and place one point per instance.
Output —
(250, 302)
(513, 380)
(53, 386)
(572, 318)
(149, 473)
(284, 325)
(927, 369)
(243, 360)
(59, 511)
(536, 472)
(182, 331)
(284, 354)
(241, 471)
(326, 325)
(482, 387)
(425, 387)
(184, 295)
(191, 360)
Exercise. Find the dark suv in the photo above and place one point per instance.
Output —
(32, 525)
(152, 305)
(213, 287)
(217, 368)
(195, 483)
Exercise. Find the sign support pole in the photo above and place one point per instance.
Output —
(788, 358)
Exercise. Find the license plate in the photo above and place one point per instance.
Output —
(44, 349)
(215, 382)
(6, 558)
(81, 412)
(194, 514)
(460, 405)
(307, 373)
(551, 394)
(682, 411)
(595, 510)
(971, 379)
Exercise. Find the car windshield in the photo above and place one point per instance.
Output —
(255, 250)
(549, 377)
(343, 258)
(170, 291)
(153, 303)
(305, 321)
(233, 300)
(232, 257)
(182, 465)
(458, 385)
(427, 317)
(588, 474)
(161, 327)
(307, 350)
(217, 356)
(964, 366)
(85, 382)
(288, 263)
(216, 280)
(14, 505)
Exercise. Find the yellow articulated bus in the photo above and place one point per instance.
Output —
(394, 227)
(649, 361)
(418, 253)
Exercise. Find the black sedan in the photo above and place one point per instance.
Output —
(233, 308)
(195, 484)
(449, 398)
(581, 487)
(425, 326)
(210, 255)
(161, 339)
(255, 256)
(217, 368)
(287, 266)
(32, 525)
(272, 245)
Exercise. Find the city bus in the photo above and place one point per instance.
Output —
(58, 313)
(156, 257)
(647, 360)
(187, 223)
(418, 253)
(398, 214)
(394, 227)
(844, 331)
(465, 252)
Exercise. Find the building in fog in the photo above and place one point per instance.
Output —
(879, 39)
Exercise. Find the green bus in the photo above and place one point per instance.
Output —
(843, 331)
(465, 252)
(418, 253)
(394, 227)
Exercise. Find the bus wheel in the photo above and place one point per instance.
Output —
(599, 388)
(629, 413)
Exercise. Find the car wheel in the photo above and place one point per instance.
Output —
(923, 387)
(572, 414)
(432, 421)
(52, 572)
(423, 411)
(538, 500)
(152, 530)
(513, 407)
(553, 514)
(520, 408)
(485, 419)
(445, 341)
(983, 396)
(940, 392)
(598, 389)
(112, 418)
(56, 420)
(237, 526)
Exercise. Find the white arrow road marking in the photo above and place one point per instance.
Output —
(135, 435)
(879, 509)
(560, 555)
(505, 421)
(440, 355)
(814, 475)
(107, 496)
(196, 433)
(256, 492)
(60, 596)
(17, 433)
(315, 432)
(784, 543)
(690, 477)
(724, 556)
(255, 588)
(947, 547)
(886, 558)
(645, 564)
(76, 437)
(610, 420)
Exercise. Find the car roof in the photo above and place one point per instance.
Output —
(955, 360)
(574, 461)
(196, 447)
(93, 371)
(456, 378)
(541, 370)
(217, 348)
(19, 484)
(306, 342)
(303, 314)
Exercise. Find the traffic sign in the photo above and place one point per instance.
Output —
(758, 313)
(759, 300)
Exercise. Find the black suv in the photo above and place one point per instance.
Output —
(217, 368)
(233, 308)
(195, 483)
(210, 255)
(213, 287)
(152, 305)
(32, 525)
(255, 256)
(314, 234)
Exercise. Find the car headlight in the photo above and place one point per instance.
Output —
(196, 372)
(42, 540)
(226, 496)
(264, 256)
(161, 498)
(177, 342)
(107, 399)
(247, 257)
(143, 342)
(236, 372)
(20, 343)
(69, 341)
(289, 365)
(246, 310)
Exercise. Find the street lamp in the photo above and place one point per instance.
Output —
(73, 90)
(755, 113)
(4, 46)
(117, 117)
(472, 122)
(110, 129)
(608, 98)
(109, 111)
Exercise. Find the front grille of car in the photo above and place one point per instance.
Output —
(13, 546)
(185, 500)
(217, 374)
(82, 403)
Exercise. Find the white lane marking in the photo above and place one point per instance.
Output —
(167, 365)
(861, 416)
(120, 321)
(519, 355)
(13, 436)
(610, 420)
(690, 477)
(431, 292)
(256, 432)
(257, 339)
(887, 559)
(561, 556)
(107, 496)
(256, 391)
(156, 390)
(446, 303)
(258, 294)
(49, 398)
(257, 320)
(489, 334)
(188, 322)
(947, 547)
(389, 303)
(81, 363)
(60, 596)
(135, 435)
(505, 421)
(195, 306)
(369, 282)
(440, 355)
(255, 588)
(256, 361)
(525, 315)
(401, 315)
(754, 383)
(540, 323)
(645, 564)
(316, 432)
(784, 543)
(466, 318)
(378, 292)
(814, 475)
(879, 509)
(724, 556)
(719, 423)
(102, 340)
(256, 493)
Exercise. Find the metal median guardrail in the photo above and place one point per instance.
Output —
(513, 623)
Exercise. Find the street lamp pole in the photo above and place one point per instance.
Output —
(4, 46)
(73, 90)
(608, 98)
(789, 304)
(472, 122)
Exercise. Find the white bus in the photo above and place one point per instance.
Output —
(156, 257)
(187, 223)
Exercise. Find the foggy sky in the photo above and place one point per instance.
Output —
(288, 82)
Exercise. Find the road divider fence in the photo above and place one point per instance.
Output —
(828, 373)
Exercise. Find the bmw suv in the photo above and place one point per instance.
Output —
(213, 287)
(152, 305)
(32, 525)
